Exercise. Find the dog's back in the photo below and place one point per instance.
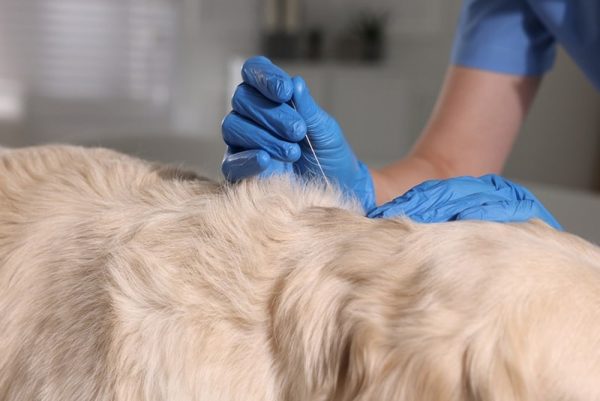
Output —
(124, 281)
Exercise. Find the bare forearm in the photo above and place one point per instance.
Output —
(471, 130)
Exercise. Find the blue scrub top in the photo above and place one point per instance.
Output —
(519, 36)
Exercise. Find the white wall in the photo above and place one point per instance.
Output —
(226, 30)
(559, 143)
(230, 29)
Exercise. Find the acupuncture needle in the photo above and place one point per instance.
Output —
(312, 149)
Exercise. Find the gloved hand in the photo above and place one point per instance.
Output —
(272, 113)
(489, 197)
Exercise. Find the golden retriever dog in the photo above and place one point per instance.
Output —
(121, 280)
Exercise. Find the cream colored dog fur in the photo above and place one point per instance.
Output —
(125, 281)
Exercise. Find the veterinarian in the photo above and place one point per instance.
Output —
(502, 49)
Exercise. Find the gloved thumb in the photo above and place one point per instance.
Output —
(317, 121)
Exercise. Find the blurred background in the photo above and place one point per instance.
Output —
(154, 78)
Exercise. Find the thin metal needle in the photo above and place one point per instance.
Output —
(316, 159)
(313, 151)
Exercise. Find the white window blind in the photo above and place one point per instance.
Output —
(116, 56)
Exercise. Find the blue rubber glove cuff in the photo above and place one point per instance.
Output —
(363, 187)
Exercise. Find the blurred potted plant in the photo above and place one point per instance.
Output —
(370, 27)
(365, 37)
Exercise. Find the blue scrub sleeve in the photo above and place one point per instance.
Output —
(502, 36)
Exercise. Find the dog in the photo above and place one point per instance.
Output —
(122, 280)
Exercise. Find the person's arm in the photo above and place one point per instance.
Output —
(471, 131)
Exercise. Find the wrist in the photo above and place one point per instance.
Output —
(397, 178)
(383, 186)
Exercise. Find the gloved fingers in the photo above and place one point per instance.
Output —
(386, 210)
(401, 205)
(439, 203)
(496, 180)
(241, 133)
(475, 207)
(448, 211)
(279, 118)
(489, 198)
(492, 210)
(510, 211)
(244, 164)
(405, 205)
(442, 200)
(458, 187)
(322, 129)
(518, 192)
(499, 211)
(521, 193)
(270, 80)
(277, 167)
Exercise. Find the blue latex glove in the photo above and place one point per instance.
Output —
(490, 197)
(265, 134)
